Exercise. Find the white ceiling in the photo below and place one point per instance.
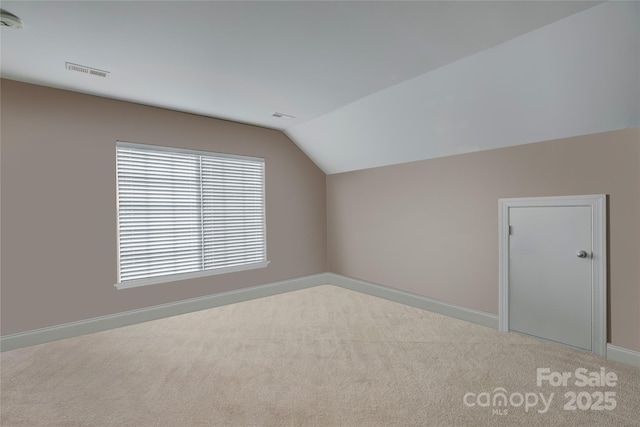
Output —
(341, 68)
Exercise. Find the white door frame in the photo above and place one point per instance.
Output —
(598, 204)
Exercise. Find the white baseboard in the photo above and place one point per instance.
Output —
(414, 300)
(623, 355)
(615, 353)
(102, 323)
(97, 324)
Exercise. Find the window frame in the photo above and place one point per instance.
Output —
(196, 274)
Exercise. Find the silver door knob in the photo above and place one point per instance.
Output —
(581, 254)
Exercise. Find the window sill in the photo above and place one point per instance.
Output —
(185, 276)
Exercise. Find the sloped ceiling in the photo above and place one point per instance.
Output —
(574, 77)
(369, 83)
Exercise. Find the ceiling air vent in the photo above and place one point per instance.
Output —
(283, 116)
(86, 70)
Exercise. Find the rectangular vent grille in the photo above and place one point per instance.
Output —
(86, 70)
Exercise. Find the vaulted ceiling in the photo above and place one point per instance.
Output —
(368, 83)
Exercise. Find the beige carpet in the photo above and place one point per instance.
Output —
(323, 356)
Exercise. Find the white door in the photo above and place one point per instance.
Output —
(553, 269)
(550, 273)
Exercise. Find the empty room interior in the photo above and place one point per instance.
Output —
(320, 213)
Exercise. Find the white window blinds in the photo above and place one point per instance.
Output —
(186, 212)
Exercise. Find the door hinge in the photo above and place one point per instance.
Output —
(510, 230)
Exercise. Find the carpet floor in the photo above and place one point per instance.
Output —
(323, 356)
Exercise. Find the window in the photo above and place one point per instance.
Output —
(184, 213)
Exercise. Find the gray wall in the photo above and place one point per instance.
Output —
(431, 227)
(58, 207)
